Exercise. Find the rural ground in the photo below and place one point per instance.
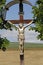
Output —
(11, 57)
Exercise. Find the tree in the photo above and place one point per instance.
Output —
(38, 18)
(2, 2)
(1, 42)
(3, 24)
(4, 43)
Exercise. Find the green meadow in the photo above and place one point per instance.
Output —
(15, 45)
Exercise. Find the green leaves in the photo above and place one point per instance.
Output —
(8, 26)
(39, 1)
(4, 43)
(2, 2)
(38, 18)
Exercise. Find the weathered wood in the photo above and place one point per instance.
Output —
(21, 59)
(18, 21)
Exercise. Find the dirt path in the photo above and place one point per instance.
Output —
(11, 57)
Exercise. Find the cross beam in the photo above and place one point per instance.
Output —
(18, 21)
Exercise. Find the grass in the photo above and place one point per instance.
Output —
(15, 45)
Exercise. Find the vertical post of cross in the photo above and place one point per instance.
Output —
(21, 41)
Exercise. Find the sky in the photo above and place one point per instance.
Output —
(14, 10)
(12, 14)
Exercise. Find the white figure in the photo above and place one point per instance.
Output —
(21, 36)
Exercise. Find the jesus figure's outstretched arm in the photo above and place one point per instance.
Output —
(28, 24)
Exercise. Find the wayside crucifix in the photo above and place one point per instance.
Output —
(21, 27)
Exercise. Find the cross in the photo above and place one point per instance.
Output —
(21, 36)
(21, 27)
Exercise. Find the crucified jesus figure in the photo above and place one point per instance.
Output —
(21, 36)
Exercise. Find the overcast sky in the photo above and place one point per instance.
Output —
(12, 14)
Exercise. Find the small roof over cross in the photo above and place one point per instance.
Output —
(16, 2)
(21, 19)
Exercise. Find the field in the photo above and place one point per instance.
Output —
(33, 55)
(26, 46)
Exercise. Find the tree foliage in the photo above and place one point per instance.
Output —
(2, 3)
(3, 23)
(38, 18)
(4, 43)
